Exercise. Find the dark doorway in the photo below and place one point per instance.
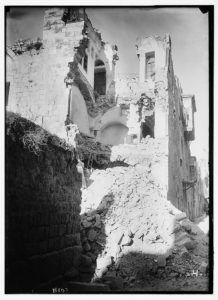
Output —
(100, 77)
(146, 130)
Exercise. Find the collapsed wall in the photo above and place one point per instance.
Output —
(44, 77)
(42, 207)
(129, 229)
(150, 106)
(154, 105)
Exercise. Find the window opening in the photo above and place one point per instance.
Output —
(100, 77)
(150, 65)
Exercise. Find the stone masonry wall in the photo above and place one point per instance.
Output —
(37, 88)
(42, 207)
(179, 151)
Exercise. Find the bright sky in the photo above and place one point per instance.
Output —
(188, 28)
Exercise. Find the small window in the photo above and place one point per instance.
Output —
(150, 65)
(180, 161)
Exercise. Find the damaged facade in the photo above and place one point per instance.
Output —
(68, 78)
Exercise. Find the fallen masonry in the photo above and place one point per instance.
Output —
(100, 182)
(132, 232)
(130, 235)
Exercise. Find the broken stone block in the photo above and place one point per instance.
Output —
(86, 224)
(188, 227)
(189, 244)
(181, 237)
(161, 261)
(180, 216)
(140, 233)
(90, 218)
(92, 234)
(185, 254)
(203, 267)
(98, 221)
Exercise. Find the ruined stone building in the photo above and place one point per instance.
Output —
(66, 81)
(69, 77)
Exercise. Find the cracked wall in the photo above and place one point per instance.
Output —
(157, 106)
(131, 108)
(38, 76)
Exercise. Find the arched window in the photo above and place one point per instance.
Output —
(100, 77)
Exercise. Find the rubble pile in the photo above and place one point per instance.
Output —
(131, 233)
(22, 46)
(101, 105)
(90, 150)
(149, 151)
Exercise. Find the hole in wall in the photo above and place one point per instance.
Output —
(100, 77)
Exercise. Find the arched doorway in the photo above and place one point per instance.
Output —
(114, 134)
(100, 77)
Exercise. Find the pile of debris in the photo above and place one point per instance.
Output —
(101, 105)
(132, 233)
(22, 46)
(91, 151)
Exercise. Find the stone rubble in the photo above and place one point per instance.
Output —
(132, 232)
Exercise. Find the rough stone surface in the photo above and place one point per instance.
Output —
(43, 204)
(128, 227)
(203, 267)
(141, 236)
(161, 261)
